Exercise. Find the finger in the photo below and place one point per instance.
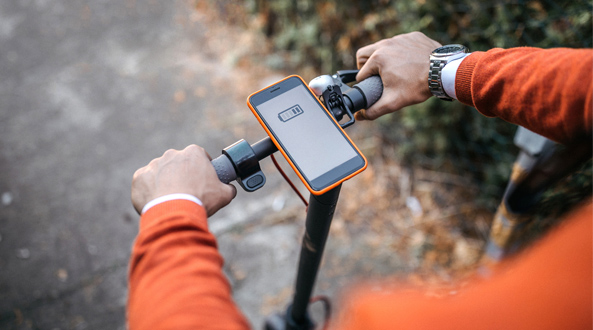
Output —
(384, 105)
(208, 155)
(373, 112)
(369, 69)
(233, 191)
(360, 115)
(228, 193)
(363, 54)
(360, 62)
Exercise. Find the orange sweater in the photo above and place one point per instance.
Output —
(176, 279)
(546, 91)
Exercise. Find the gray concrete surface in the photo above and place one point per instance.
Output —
(89, 92)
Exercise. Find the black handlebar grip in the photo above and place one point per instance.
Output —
(371, 88)
(224, 169)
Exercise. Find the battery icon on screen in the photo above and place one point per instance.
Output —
(290, 113)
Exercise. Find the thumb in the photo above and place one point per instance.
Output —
(231, 191)
(227, 194)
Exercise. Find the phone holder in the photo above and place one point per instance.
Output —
(334, 101)
(249, 174)
(335, 92)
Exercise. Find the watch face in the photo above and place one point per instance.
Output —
(449, 50)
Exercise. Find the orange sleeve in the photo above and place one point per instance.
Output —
(547, 91)
(546, 287)
(175, 276)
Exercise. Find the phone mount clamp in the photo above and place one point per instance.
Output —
(338, 97)
(246, 164)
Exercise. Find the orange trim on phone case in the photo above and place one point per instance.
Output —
(314, 192)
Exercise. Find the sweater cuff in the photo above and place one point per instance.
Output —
(173, 209)
(170, 197)
(463, 78)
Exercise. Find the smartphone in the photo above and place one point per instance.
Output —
(308, 136)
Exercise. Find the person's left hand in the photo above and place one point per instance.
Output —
(188, 171)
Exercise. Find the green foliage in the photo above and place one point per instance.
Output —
(314, 37)
(326, 34)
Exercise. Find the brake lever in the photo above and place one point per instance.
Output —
(347, 76)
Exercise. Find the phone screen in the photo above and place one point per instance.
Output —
(314, 142)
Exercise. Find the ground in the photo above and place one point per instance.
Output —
(91, 91)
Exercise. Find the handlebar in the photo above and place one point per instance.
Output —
(224, 167)
(364, 94)
(240, 161)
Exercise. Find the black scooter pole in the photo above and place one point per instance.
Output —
(319, 217)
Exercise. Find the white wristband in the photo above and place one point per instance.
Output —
(448, 76)
(170, 197)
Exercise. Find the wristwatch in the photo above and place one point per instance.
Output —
(438, 59)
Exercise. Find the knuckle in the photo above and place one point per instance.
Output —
(137, 174)
(385, 43)
(361, 52)
(152, 163)
(380, 56)
(194, 149)
(169, 153)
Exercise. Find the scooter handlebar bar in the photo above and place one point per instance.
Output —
(371, 88)
(224, 169)
(360, 96)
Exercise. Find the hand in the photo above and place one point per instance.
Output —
(402, 62)
(188, 171)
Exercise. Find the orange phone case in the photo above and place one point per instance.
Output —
(314, 192)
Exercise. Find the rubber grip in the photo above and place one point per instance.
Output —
(224, 169)
(371, 88)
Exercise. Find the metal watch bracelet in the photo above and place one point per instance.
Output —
(438, 59)
(435, 83)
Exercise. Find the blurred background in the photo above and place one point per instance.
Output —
(93, 90)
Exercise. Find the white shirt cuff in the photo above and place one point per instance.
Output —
(448, 76)
(170, 197)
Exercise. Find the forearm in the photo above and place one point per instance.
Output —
(547, 91)
(176, 279)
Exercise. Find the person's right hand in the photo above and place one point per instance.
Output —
(402, 62)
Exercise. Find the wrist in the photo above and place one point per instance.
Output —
(449, 74)
(439, 59)
(170, 197)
